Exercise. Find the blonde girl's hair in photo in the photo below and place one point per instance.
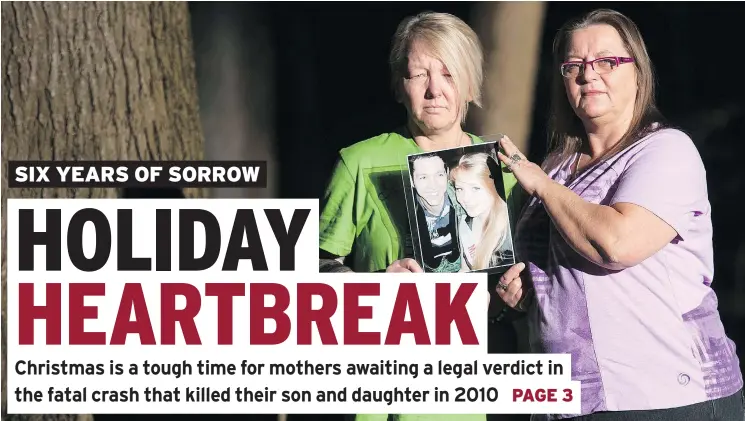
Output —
(496, 226)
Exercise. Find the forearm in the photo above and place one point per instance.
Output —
(328, 264)
(592, 230)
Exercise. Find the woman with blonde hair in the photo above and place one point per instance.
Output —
(484, 228)
(436, 64)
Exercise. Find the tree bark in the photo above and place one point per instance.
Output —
(511, 34)
(94, 81)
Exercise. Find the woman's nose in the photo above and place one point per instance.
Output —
(434, 87)
(588, 74)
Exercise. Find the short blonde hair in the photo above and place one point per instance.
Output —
(452, 42)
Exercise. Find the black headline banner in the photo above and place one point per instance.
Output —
(159, 174)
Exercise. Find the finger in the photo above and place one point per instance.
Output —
(501, 293)
(396, 268)
(502, 288)
(508, 296)
(504, 159)
(513, 272)
(412, 266)
(509, 147)
(515, 288)
(514, 300)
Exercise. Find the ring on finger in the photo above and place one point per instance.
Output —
(502, 286)
(515, 160)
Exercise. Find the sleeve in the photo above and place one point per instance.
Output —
(336, 225)
(667, 177)
(509, 181)
(371, 417)
(513, 196)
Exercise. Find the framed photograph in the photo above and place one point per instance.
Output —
(458, 214)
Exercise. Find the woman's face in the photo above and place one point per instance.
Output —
(600, 97)
(472, 194)
(429, 93)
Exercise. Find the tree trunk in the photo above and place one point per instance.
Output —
(94, 81)
(511, 34)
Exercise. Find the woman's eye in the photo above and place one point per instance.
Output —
(606, 64)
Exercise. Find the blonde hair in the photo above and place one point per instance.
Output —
(451, 41)
(496, 225)
(566, 132)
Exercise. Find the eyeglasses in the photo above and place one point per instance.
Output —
(602, 65)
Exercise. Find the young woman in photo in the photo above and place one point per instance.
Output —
(484, 229)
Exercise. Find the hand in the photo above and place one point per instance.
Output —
(404, 266)
(530, 176)
(510, 286)
(411, 266)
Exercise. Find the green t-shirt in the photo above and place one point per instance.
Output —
(364, 217)
(363, 211)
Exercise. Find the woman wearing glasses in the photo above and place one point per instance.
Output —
(616, 242)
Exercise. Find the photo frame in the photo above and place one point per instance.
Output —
(458, 215)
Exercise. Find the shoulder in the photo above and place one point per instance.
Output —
(662, 150)
(475, 138)
(376, 146)
(671, 142)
